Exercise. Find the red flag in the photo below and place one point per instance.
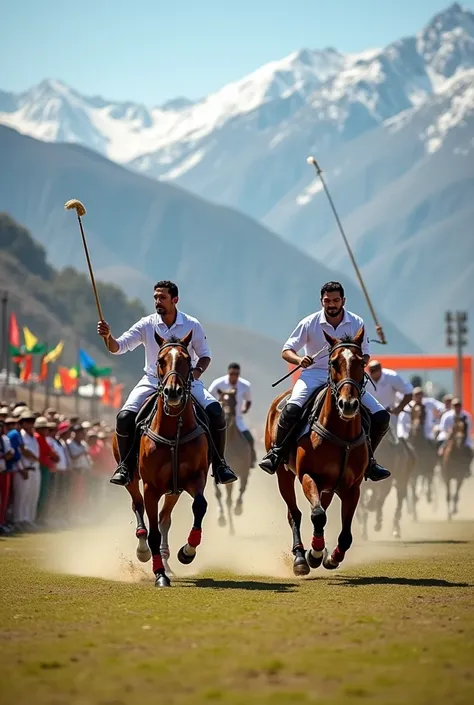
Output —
(43, 371)
(106, 400)
(14, 333)
(67, 382)
(117, 396)
(26, 368)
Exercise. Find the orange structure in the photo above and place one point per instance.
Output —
(430, 362)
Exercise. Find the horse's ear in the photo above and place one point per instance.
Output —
(359, 337)
(159, 339)
(332, 341)
(187, 339)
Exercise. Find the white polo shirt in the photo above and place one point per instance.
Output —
(243, 387)
(308, 336)
(143, 333)
(447, 423)
(388, 387)
(404, 420)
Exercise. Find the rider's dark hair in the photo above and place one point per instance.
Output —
(330, 287)
(171, 286)
(233, 366)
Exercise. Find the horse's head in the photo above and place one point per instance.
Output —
(174, 371)
(346, 373)
(228, 401)
(418, 413)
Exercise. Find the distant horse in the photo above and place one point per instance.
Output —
(330, 459)
(239, 456)
(422, 477)
(393, 454)
(173, 456)
(455, 461)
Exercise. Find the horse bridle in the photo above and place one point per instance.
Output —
(186, 382)
(335, 388)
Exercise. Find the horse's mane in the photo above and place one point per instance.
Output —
(173, 339)
(348, 339)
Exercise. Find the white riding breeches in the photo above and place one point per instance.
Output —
(310, 380)
(148, 386)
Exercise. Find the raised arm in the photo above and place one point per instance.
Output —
(128, 341)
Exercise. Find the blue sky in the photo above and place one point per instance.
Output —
(150, 51)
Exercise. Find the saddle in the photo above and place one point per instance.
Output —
(312, 411)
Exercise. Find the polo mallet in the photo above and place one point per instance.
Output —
(288, 374)
(75, 205)
(380, 333)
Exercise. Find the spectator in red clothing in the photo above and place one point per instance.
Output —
(47, 459)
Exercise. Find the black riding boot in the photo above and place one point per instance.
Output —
(380, 422)
(249, 438)
(289, 417)
(125, 432)
(223, 475)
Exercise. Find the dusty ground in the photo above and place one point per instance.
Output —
(396, 625)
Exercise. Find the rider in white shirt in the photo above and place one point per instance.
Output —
(232, 380)
(166, 322)
(309, 337)
(433, 408)
(448, 419)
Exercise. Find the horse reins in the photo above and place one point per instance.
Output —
(186, 382)
(335, 388)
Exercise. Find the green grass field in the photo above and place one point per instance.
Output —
(392, 632)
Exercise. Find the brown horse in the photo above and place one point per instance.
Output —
(330, 460)
(456, 459)
(239, 455)
(394, 454)
(422, 477)
(173, 456)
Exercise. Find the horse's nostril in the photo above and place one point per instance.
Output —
(166, 391)
(341, 403)
(179, 391)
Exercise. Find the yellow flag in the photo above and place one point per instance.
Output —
(30, 339)
(53, 355)
(57, 382)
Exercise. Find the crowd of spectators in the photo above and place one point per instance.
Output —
(51, 468)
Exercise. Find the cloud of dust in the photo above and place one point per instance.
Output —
(261, 544)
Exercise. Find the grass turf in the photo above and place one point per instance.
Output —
(394, 632)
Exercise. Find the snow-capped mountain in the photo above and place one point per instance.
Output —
(245, 144)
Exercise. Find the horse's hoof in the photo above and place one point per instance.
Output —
(238, 508)
(221, 521)
(162, 581)
(328, 562)
(312, 561)
(184, 558)
(378, 526)
(143, 551)
(143, 555)
(300, 566)
(396, 534)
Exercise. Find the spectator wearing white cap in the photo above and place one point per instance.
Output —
(27, 484)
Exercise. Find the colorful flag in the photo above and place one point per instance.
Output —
(26, 368)
(117, 396)
(57, 382)
(31, 342)
(14, 335)
(74, 372)
(68, 383)
(55, 353)
(89, 366)
(43, 375)
(107, 386)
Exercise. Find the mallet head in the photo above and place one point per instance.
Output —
(75, 205)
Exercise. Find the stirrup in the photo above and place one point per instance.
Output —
(224, 475)
(376, 472)
(271, 461)
(122, 475)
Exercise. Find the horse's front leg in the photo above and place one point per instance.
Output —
(229, 490)
(187, 553)
(143, 551)
(164, 523)
(152, 498)
(244, 478)
(349, 501)
(286, 485)
(221, 518)
(315, 554)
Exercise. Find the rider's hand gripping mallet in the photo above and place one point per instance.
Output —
(383, 340)
(75, 205)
